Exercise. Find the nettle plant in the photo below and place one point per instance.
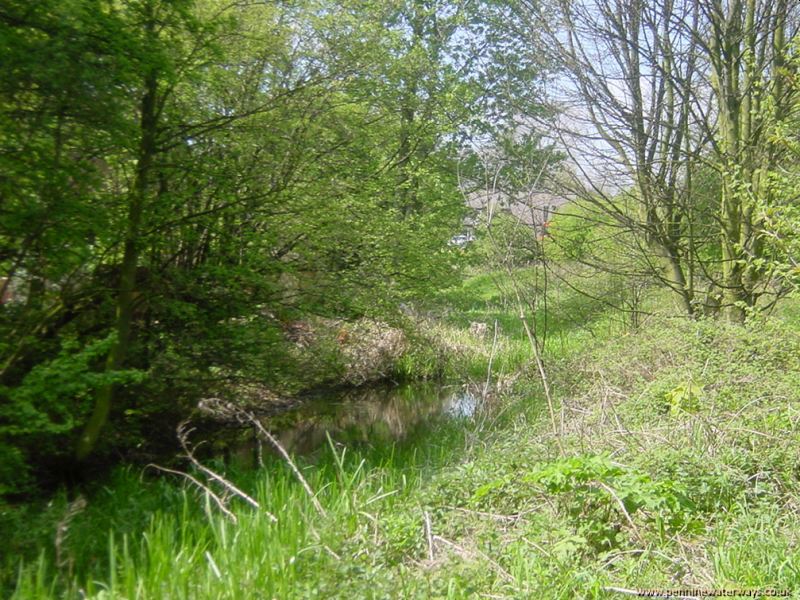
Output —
(601, 497)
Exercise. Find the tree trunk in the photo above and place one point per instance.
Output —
(130, 259)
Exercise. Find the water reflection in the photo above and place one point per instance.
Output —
(461, 405)
(377, 415)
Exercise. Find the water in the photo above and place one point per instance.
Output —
(365, 417)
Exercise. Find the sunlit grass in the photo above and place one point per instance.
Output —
(494, 530)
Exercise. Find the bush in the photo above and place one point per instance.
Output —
(41, 415)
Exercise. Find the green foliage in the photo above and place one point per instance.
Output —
(686, 397)
(631, 494)
(204, 177)
(508, 240)
(41, 400)
(39, 415)
(595, 490)
(579, 232)
(298, 159)
(571, 235)
(780, 222)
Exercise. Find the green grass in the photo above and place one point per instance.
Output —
(679, 469)
(146, 536)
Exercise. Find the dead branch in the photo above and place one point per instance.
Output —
(622, 508)
(474, 553)
(429, 535)
(491, 360)
(204, 488)
(230, 410)
(183, 435)
(282, 451)
(496, 517)
(62, 529)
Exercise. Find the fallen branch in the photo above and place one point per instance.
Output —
(271, 439)
(472, 554)
(183, 434)
(62, 529)
(504, 518)
(209, 493)
(183, 437)
(622, 508)
(429, 536)
(491, 360)
(217, 406)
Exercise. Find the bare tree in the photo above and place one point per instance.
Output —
(629, 70)
(657, 92)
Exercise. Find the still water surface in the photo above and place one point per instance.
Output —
(369, 416)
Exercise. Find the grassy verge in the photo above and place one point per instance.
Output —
(674, 466)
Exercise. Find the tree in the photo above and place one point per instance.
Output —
(658, 104)
(748, 48)
(158, 65)
(62, 90)
(237, 145)
(633, 139)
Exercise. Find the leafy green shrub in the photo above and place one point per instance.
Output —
(597, 494)
(509, 241)
(51, 403)
(712, 485)
(571, 233)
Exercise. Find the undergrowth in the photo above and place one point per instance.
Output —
(674, 464)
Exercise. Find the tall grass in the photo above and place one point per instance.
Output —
(147, 537)
(709, 486)
(144, 536)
